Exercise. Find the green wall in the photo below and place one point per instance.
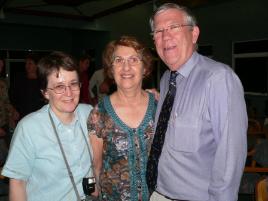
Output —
(220, 25)
(73, 41)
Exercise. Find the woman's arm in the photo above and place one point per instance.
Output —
(17, 190)
(97, 147)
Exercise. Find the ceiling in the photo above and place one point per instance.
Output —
(87, 10)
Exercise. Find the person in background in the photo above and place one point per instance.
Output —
(25, 94)
(35, 164)
(4, 114)
(8, 114)
(257, 157)
(199, 146)
(121, 125)
(108, 86)
(84, 63)
(4, 100)
(94, 85)
(100, 83)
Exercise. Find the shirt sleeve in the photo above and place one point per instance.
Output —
(21, 155)
(228, 116)
(92, 83)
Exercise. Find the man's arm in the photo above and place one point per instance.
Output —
(227, 110)
(17, 190)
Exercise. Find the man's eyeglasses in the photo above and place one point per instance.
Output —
(61, 88)
(172, 29)
(132, 61)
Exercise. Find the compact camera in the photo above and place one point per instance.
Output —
(89, 185)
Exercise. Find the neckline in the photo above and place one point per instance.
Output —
(120, 122)
(58, 121)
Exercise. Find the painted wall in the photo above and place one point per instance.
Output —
(134, 21)
(29, 37)
(220, 24)
(236, 20)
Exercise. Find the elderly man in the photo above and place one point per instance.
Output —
(199, 146)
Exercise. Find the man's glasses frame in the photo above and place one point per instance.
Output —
(172, 29)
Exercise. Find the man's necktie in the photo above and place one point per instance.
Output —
(159, 137)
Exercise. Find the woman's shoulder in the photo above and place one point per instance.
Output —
(100, 108)
(33, 124)
(153, 100)
(84, 108)
(103, 104)
(36, 117)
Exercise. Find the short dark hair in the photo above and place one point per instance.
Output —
(83, 57)
(127, 41)
(33, 56)
(54, 62)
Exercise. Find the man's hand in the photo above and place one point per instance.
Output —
(154, 92)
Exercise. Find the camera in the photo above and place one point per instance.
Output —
(89, 185)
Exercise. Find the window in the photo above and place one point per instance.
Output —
(15, 62)
(250, 62)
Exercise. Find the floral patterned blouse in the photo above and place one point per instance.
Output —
(125, 152)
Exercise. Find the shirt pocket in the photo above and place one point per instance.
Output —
(184, 134)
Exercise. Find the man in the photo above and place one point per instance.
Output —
(84, 63)
(25, 94)
(204, 148)
(95, 83)
(100, 84)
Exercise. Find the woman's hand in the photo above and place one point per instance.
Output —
(96, 192)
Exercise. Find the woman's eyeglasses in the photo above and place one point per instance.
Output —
(61, 88)
(132, 61)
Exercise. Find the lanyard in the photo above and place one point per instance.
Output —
(65, 158)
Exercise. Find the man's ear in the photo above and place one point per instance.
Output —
(195, 34)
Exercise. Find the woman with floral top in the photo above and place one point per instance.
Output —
(121, 125)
